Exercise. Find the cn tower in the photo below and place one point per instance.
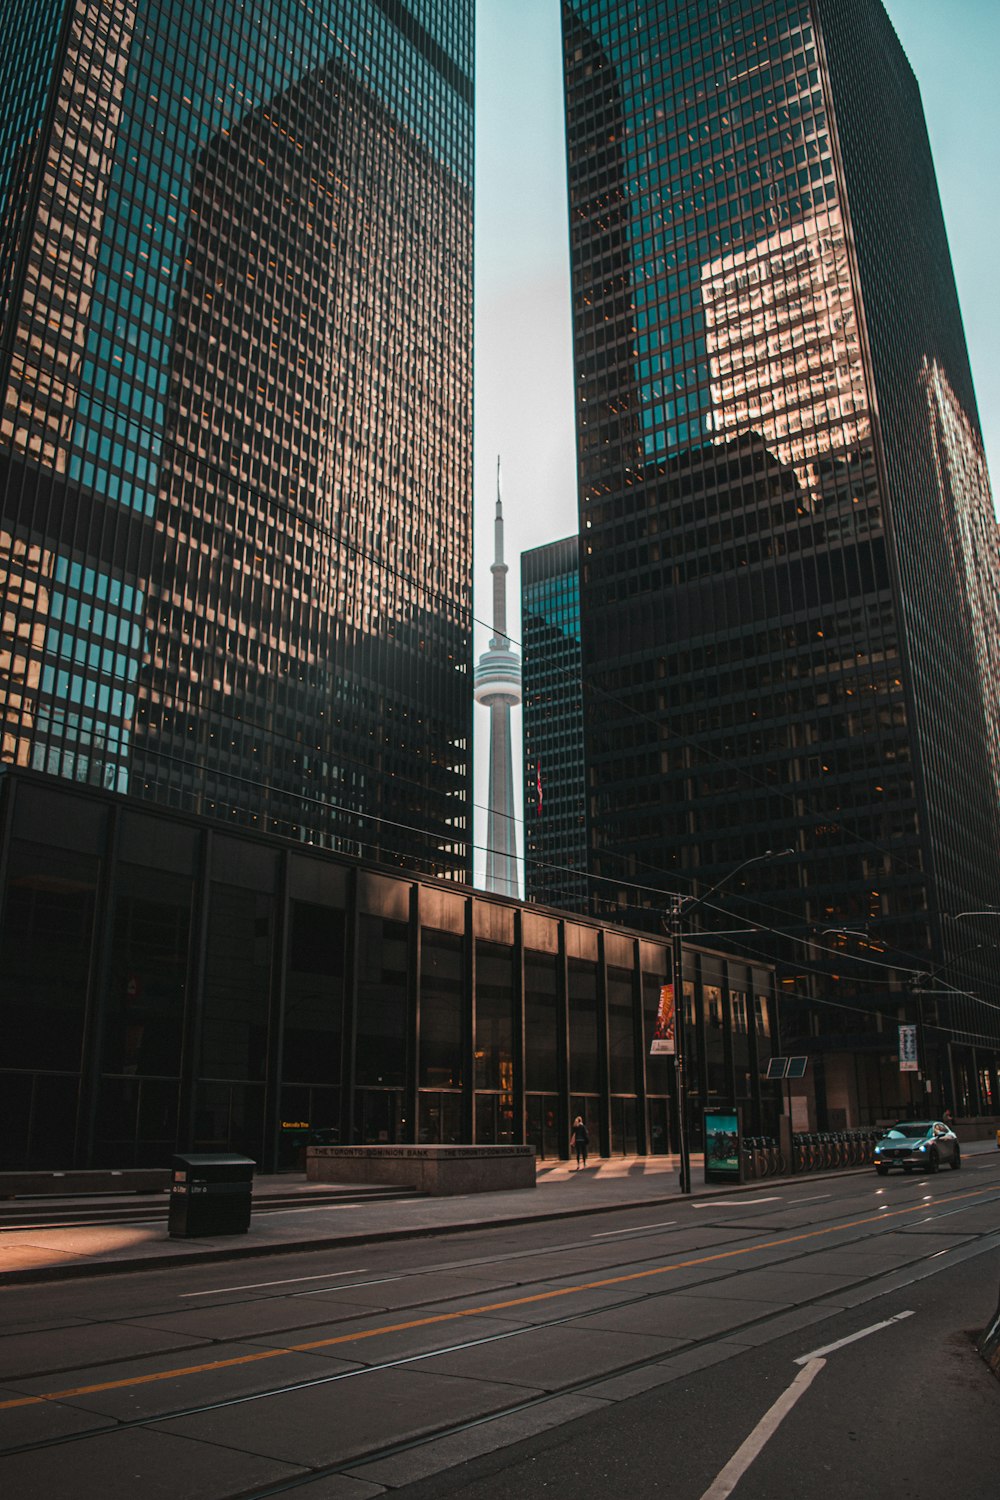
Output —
(498, 686)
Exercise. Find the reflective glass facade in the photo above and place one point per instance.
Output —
(235, 410)
(555, 834)
(169, 984)
(790, 560)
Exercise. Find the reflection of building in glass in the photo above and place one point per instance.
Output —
(789, 576)
(235, 272)
(555, 835)
(967, 507)
(782, 342)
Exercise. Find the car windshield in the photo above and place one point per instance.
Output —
(910, 1132)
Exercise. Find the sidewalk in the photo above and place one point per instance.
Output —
(44, 1254)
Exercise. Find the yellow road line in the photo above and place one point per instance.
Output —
(471, 1312)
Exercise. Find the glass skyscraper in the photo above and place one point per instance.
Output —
(790, 563)
(235, 397)
(555, 832)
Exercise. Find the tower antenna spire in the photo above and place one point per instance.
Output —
(498, 687)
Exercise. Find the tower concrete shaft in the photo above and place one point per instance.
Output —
(498, 688)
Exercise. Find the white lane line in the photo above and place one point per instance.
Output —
(813, 1197)
(745, 1454)
(253, 1286)
(345, 1286)
(736, 1202)
(636, 1229)
(852, 1338)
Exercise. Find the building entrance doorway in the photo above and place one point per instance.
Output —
(543, 1124)
(378, 1117)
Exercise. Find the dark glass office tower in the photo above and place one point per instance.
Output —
(789, 584)
(235, 455)
(555, 834)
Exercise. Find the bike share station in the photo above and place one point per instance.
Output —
(731, 1157)
(786, 1068)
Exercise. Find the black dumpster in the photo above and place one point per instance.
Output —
(210, 1194)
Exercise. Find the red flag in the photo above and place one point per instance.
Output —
(538, 785)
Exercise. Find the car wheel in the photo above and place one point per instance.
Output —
(932, 1161)
(882, 1171)
(956, 1160)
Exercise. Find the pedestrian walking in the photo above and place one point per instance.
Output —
(580, 1140)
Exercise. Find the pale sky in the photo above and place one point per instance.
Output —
(524, 383)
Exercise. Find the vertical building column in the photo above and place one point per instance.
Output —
(350, 1040)
(411, 1089)
(639, 1041)
(603, 1049)
(276, 1020)
(693, 961)
(469, 1027)
(753, 1126)
(520, 1104)
(195, 1007)
(562, 1045)
(97, 989)
(728, 1062)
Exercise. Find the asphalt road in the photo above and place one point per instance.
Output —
(628, 1353)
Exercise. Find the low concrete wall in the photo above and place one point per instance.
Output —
(978, 1128)
(63, 1184)
(437, 1170)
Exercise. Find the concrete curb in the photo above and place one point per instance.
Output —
(249, 1250)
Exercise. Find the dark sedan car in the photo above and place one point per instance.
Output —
(917, 1146)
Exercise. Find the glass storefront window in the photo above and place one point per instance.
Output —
(441, 995)
(230, 1117)
(383, 967)
(715, 1060)
(739, 1021)
(621, 1032)
(543, 1124)
(583, 1068)
(314, 995)
(541, 980)
(378, 1117)
(494, 1119)
(144, 1003)
(45, 955)
(237, 984)
(494, 1016)
(440, 1119)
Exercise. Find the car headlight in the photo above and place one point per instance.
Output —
(921, 1148)
(878, 1150)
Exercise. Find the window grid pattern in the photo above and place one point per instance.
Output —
(555, 837)
(770, 645)
(235, 249)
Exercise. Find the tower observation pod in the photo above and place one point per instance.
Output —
(498, 687)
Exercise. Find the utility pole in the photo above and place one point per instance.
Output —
(675, 918)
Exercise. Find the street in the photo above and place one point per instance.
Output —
(829, 1318)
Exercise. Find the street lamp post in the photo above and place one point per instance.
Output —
(680, 1041)
(680, 907)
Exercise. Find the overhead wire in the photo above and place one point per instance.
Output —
(456, 608)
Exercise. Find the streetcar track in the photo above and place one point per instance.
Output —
(431, 1435)
(921, 1264)
(719, 1251)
